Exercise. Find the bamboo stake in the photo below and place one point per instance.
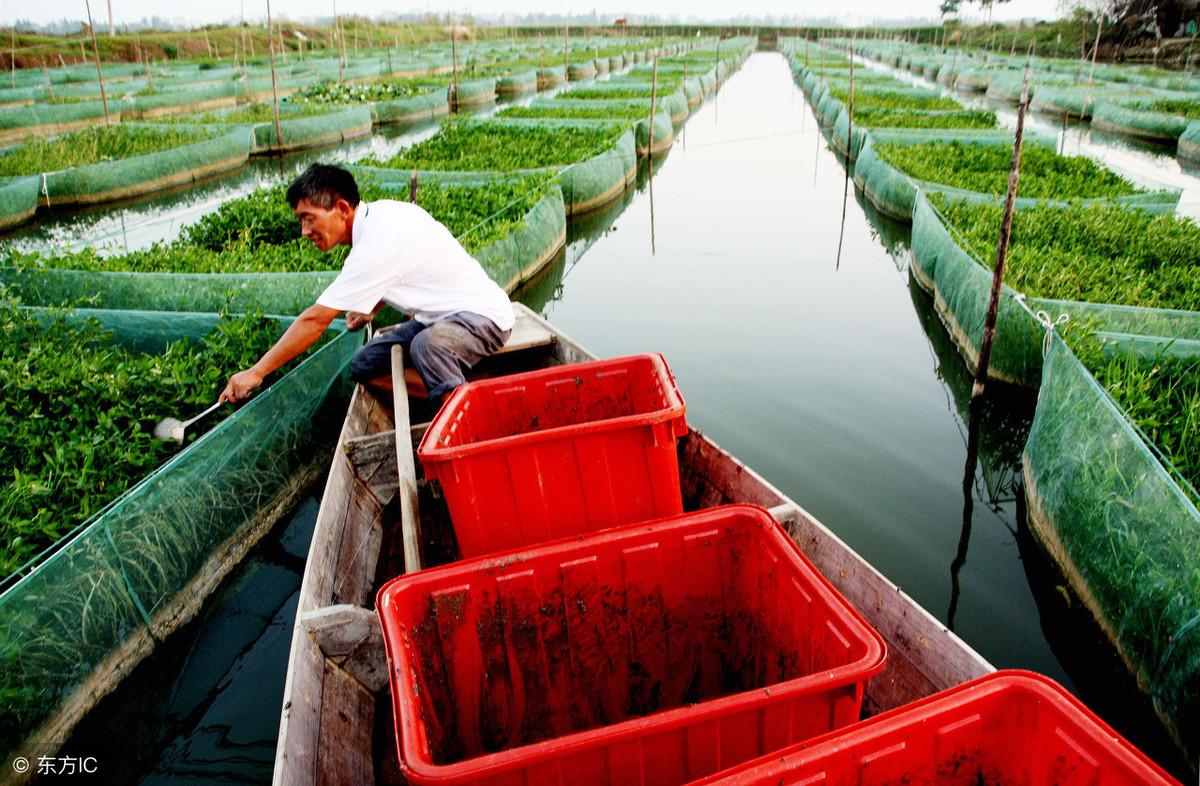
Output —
(112, 32)
(12, 55)
(146, 62)
(1087, 96)
(49, 84)
(566, 54)
(274, 88)
(989, 324)
(653, 102)
(337, 26)
(96, 50)
(454, 74)
(849, 145)
(207, 43)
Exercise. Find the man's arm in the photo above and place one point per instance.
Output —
(356, 319)
(299, 336)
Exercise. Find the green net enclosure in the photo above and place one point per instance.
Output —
(1189, 142)
(18, 200)
(957, 269)
(41, 120)
(80, 617)
(426, 106)
(89, 184)
(1139, 119)
(312, 130)
(1112, 513)
(867, 119)
(952, 162)
(961, 285)
(519, 83)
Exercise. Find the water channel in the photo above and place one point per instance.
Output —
(788, 317)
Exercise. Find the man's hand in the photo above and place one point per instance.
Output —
(356, 320)
(240, 386)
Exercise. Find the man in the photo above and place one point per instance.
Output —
(399, 256)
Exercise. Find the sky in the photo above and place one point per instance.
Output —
(851, 11)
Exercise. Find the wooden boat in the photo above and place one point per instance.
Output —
(378, 517)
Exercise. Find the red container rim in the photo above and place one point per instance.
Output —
(898, 718)
(429, 450)
(415, 759)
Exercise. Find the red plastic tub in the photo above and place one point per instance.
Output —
(1010, 727)
(651, 654)
(534, 457)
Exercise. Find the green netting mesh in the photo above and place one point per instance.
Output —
(1189, 142)
(961, 286)
(313, 130)
(477, 92)
(1137, 120)
(410, 110)
(518, 256)
(126, 572)
(277, 293)
(18, 200)
(1123, 531)
(579, 72)
(17, 123)
(1076, 101)
(518, 83)
(894, 193)
(942, 119)
(109, 180)
(944, 265)
(191, 99)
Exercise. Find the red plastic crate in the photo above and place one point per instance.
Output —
(534, 457)
(651, 654)
(1011, 727)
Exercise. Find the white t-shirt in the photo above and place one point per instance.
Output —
(403, 256)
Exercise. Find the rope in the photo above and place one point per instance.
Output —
(45, 191)
(1050, 325)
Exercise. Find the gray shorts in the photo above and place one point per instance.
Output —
(441, 353)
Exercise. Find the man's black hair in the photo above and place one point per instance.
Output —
(323, 184)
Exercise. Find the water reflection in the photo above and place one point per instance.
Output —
(204, 707)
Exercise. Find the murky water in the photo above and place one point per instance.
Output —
(829, 373)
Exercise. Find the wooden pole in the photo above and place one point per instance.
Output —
(849, 144)
(653, 102)
(96, 50)
(49, 84)
(274, 88)
(337, 27)
(1014, 175)
(146, 62)
(1087, 96)
(454, 73)
(112, 32)
(412, 187)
